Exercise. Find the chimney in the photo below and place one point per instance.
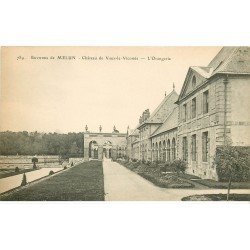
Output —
(144, 116)
(147, 113)
(140, 120)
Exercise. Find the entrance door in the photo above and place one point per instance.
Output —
(95, 153)
(105, 152)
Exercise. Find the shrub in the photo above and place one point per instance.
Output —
(51, 172)
(179, 166)
(163, 169)
(17, 170)
(24, 180)
(232, 162)
(34, 159)
(154, 164)
(168, 166)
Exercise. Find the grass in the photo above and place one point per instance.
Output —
(11, 172)
(223, 185)
(217, 197)
(83, 182)
(154, 175)
(189, 176)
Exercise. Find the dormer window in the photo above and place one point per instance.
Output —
(194, 82)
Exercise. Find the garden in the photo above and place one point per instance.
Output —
(168, 175)
(83, 182)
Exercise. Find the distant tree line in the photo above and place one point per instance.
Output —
(25, 143)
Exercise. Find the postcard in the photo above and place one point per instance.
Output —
(125, 124)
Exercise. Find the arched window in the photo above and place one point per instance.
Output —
(160, 152)
(173, 149)
(194, 82)
(156, 151)
(168, 150)
(153, 148)
(93, 150)
(164, 151)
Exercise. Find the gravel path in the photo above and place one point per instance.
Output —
(11, 182)
(121, 184)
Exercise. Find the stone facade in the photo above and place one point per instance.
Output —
(132, 136)
(211, 111)
(164, 139)
(150, 125)
(99, 145)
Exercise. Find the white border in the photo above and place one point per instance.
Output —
(134, 225)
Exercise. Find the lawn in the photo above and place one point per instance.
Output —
(217, 197)
(153, 174)
(83, 182)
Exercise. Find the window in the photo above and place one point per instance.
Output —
(205, 146)
(194, 153)
(173, 149)
(168, 150)
(164, 151)
(193, 81)
(156, 151)
(160, 152)
(184, 149)
(184, 112)
(193, 107)
(205, 102)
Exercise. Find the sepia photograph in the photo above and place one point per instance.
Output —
(139, 123)
(124, 125)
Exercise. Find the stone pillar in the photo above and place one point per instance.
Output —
(100, 153)
(114, 153)
(86, 153)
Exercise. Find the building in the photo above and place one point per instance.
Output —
(210, 109)
(164, 139)
(98, 145)
(132, 137)
(143, 148)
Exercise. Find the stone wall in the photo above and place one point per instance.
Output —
(117, 140)
(225, 120)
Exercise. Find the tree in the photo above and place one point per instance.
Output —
(34, 161)
(232, 164)
(24, 180)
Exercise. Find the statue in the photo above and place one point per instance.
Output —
(86, 128)
(115, 130)
(100, 128)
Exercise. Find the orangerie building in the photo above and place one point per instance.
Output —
(212, 108)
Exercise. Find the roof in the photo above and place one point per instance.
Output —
(133, 132)
(163, 109)
(232, 60)
(206, 72)
(229, 60)
(169, 123)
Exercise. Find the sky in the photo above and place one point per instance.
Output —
(43, 91)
